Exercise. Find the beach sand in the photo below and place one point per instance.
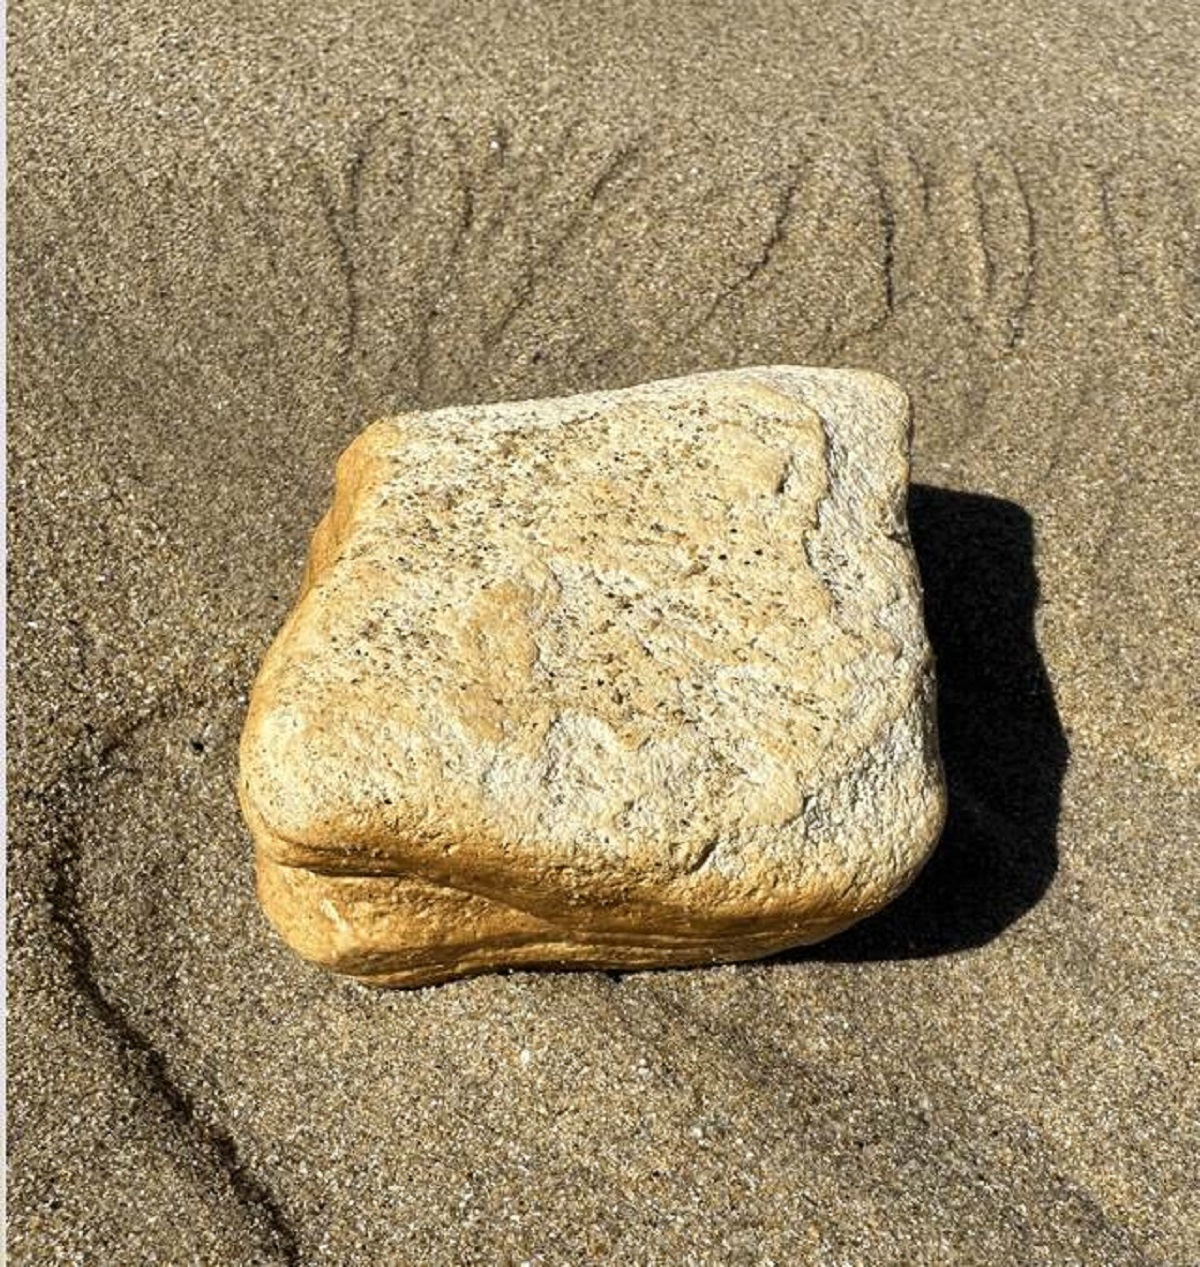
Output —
(240, 232)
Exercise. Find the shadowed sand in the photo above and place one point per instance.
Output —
(237, 234)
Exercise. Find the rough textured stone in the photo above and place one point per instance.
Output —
(631, 678)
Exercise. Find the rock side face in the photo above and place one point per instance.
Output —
(625, 679)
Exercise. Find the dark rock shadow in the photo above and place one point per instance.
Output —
(1002, 743)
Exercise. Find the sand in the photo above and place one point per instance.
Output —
(238, 233)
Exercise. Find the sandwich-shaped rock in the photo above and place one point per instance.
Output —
(626, 679)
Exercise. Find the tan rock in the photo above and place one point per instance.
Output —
(630, 678)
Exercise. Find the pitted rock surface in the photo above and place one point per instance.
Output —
(631, 678)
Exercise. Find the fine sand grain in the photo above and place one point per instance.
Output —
(238, 232)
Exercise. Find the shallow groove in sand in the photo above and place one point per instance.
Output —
(140, 1054)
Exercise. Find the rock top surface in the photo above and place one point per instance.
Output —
(630, 678)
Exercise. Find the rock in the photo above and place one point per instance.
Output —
(624, 679)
